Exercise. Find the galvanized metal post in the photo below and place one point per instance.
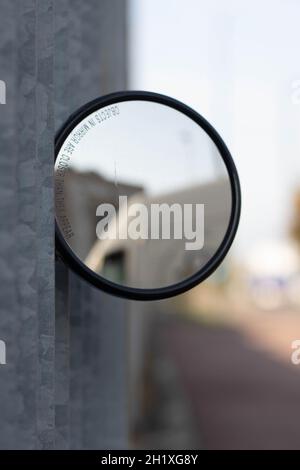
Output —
(27, 242)
(64, 384)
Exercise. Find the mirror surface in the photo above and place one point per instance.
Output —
(142, 194)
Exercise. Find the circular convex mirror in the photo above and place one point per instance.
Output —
(147, 195)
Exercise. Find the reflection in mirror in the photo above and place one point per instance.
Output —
(143, 196)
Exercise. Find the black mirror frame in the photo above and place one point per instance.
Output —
(169, 291)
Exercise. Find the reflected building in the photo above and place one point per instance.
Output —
(84, 191)
(138, 263)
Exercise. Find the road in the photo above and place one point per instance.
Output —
(227, 392)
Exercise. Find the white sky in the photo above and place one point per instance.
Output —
(120, 149)
(235, 62)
